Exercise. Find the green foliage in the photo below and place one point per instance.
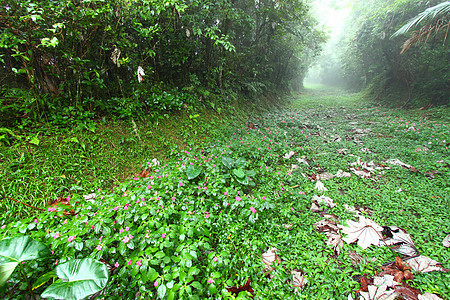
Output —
(79, 278)
(14, 251)
(426, 16)
(165, 235)
(92, 64)
(372, 60)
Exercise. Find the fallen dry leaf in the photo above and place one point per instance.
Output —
(379, 293)
(365, 231)
(398, 269)
(399, 240)
(361, 173)
(315, 207)
(320, 186)
(397, 162)
(324, 200)
(298, 280)
(289, 155)
(428, 296)
(446, 241)
(424, 264)
(331, 230)
(355, 258)
(244, 288)
(302, 161)
(269, 257)
(406, 292)
(341, 174)
(386, 279)
(324, 176)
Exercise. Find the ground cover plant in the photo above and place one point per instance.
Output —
(329, 198)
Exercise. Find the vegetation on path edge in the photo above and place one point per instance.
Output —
(206, 218)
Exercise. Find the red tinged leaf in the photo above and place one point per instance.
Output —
(406, 292)
(245, 288)
(364, 283)
(68, 211)
(144, 173)
(61, 201)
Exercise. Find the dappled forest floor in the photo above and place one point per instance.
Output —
(325, 198)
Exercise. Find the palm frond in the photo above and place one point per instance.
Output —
(425, 32)
(428, 14)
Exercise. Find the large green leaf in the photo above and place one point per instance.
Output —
(79, 279)
(228, 162)
(16, 250)
(193, 171)
(239, 173)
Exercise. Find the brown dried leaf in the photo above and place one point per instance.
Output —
(406, 292)
(244, 288)
(355, 258)
(298, 280)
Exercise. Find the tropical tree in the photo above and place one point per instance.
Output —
(433, 20)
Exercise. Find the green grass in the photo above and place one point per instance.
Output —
(98, 154)
(194, 236)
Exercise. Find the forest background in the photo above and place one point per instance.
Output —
(66, 60)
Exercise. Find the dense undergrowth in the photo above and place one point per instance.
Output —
(197, 221)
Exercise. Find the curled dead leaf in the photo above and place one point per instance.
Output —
(268, 258)
(399, 241)
(324, 200)
(244, 288)
(298, 280)
(424, 264)
(320, 186)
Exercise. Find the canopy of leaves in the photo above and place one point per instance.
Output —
(371, 60)
(103, 55)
